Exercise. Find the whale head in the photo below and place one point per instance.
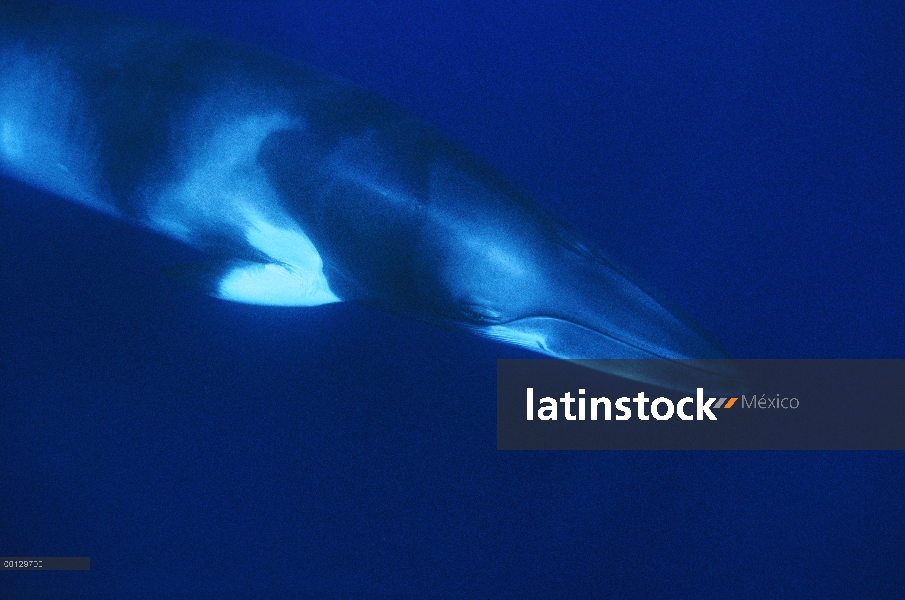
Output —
(414, 224)
(500, 265)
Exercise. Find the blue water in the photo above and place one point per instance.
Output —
(746, 160)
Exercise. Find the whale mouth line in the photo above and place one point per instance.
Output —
(566, 339)
(592, 330)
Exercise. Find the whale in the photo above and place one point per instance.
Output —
(303, 189)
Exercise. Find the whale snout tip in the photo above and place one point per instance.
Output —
(561, 339)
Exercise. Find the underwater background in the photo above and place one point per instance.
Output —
(746, 160)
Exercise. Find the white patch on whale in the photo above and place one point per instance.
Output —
(297, 279)
(272, 285)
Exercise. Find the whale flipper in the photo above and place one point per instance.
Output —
(254, 282)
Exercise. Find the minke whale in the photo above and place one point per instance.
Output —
(303, 189)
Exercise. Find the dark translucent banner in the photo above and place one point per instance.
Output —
(701, 405)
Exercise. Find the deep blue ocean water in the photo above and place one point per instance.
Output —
(747, 160)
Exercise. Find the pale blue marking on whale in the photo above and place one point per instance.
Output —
(37, 102)
(224, 188)
(304, 190)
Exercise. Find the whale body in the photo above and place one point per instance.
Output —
(304, 189)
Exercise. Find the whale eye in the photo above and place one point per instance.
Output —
(478, 314)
